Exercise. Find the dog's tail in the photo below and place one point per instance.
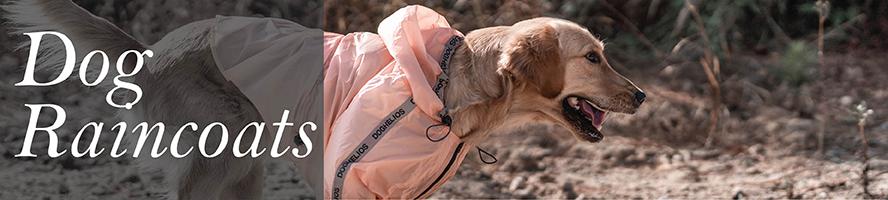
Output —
(86, 31)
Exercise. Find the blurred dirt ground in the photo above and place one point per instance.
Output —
(768, 152)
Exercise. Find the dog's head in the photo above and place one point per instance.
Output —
(558, 73)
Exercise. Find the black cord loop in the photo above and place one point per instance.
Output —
(480, 151)
(428, 136)
(445, 121)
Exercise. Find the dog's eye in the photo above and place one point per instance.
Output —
(593, 58)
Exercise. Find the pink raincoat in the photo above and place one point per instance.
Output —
(381, 93)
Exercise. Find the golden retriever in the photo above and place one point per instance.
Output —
(537, 70)
(541, 69)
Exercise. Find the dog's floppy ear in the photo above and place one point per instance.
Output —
(532, 55)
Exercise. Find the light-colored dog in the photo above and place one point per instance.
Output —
(541, 69)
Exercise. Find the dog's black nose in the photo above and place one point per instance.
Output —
(639, 97)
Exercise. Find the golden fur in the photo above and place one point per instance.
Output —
(519, 74)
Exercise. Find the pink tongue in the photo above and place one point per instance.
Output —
(596, 115)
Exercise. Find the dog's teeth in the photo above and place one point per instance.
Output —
(574, 102)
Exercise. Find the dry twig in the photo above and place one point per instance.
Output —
(823, 12)
(863, 113)
(710, 66)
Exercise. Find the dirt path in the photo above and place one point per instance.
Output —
(622, 168)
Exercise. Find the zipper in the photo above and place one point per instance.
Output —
(444, 173)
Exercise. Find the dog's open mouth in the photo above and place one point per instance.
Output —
(585, 116)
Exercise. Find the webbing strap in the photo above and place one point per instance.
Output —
(385, 125)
